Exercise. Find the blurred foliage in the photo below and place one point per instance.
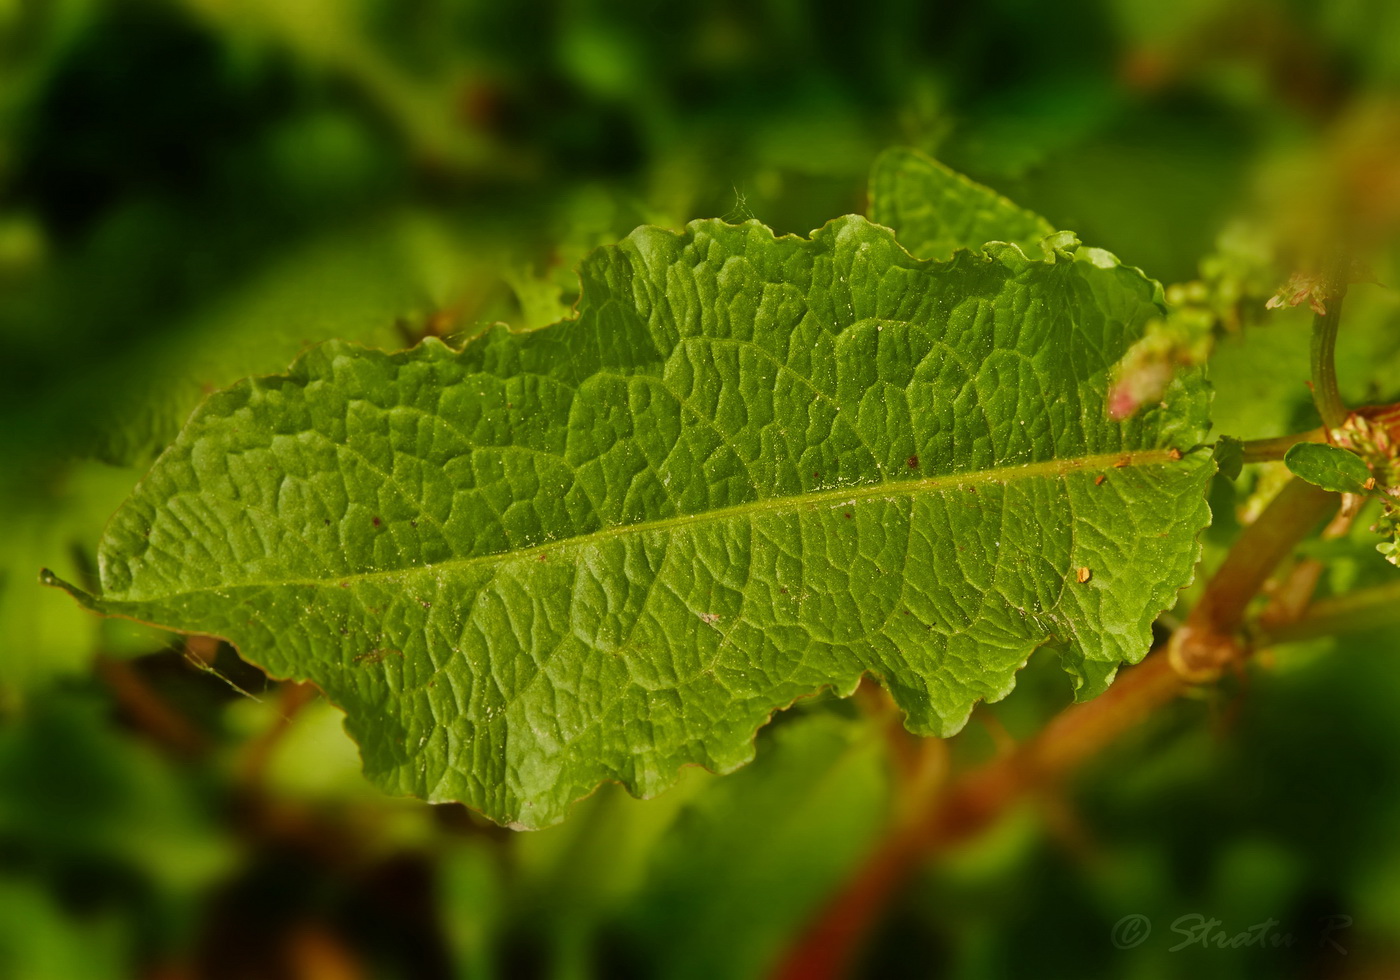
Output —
(194, 190)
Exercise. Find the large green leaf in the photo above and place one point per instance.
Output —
(935, 210)
(752, 468)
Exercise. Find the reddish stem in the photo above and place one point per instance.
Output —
(1209, 640)
(974, 801)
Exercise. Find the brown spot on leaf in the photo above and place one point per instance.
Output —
(1098, 480)
(377, 522)
(377, 655)
(913, 462)
(1083, 575)
(1174, 453)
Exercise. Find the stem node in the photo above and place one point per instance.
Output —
(1201, 656)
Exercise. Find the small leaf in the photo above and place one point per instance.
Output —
(935, 210)
(1329, 467)
(1229, 457)
(614, 546)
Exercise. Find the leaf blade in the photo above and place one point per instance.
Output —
(753, 467)
(1329, 467)
(935, 210)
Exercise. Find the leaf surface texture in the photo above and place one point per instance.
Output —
(753, 467)
(935, 210)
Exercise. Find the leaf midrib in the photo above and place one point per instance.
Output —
(834, 497)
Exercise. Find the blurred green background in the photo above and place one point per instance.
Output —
(194, 190)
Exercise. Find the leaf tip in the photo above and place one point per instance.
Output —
(47, 577)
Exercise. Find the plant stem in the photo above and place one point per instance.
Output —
(975, 800)
(1209, 639)
(1291, 516)
(969, 805)
(1324, 340)
(1268, 450)
(1276, 447)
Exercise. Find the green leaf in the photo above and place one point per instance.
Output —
(934, 210)
(752, 468)
(360, 283)
(55, 521)
(1229, 457)
(1328, 467)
